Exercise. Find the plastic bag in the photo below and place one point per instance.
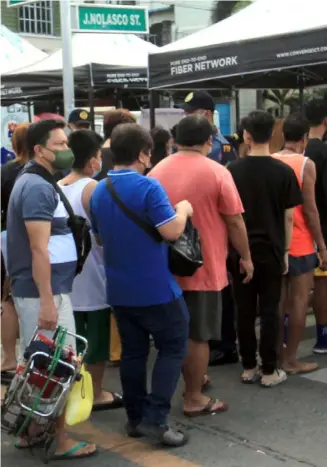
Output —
(80, 400)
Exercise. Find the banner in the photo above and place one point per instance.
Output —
(214, 62)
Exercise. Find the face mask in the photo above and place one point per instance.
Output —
(96, 173)
(64, 159)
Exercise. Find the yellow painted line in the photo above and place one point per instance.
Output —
(135, 451)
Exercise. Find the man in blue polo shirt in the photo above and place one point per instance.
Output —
(145, 296)
(224, 351)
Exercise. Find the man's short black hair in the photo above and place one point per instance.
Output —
(316, 111)
(39, 133)
(85, 144)
(295, 127)
(259, 124)
(127, 141)
(193, 130)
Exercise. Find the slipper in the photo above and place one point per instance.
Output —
(208, 409)
(116, 403)
(69, 455)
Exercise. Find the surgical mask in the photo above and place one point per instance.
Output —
(64, 159)
(96, 173)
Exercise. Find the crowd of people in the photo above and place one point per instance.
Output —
(262, 219)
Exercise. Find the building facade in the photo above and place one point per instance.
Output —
(37, 22)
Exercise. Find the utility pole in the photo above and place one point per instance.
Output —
(67, 58)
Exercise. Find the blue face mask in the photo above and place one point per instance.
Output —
(96, 173)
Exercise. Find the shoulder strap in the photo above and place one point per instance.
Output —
(149, 229)
(42, 172)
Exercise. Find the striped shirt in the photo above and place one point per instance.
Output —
(34, 199)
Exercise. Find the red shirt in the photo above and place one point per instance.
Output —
(210, 188)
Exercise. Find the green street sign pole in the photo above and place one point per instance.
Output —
(12, 3)
(112, 19)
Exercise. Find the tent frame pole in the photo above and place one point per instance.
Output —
(91, 95)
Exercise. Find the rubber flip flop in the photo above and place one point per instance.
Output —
(116, 403)
(208, 409)
(70, 454)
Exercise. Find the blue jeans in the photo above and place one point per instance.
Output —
(168, 324)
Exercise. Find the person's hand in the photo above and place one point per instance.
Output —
(247, 268)
(186, 207)
(48, 315)
(286, 264)
(323, 259)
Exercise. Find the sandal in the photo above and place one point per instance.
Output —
(70, 454)
(116, 403)
(208, 409)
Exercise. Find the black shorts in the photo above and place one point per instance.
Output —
(298, 265)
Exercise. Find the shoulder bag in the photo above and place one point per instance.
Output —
(184, 255)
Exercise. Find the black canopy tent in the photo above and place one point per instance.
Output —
(262, 46)
(113, 61)
(22, 86)
(283, 61)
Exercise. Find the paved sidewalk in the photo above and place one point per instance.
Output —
(281, 427)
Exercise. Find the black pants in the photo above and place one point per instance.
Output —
(264, 290)
(227, 344)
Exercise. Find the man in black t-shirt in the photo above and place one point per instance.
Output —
(316, 112)
(269, 191)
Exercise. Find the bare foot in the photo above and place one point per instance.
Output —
(35, 436)
(297, 367)
(107, 401)
(202, 402)
(68, 448)
(105, 397)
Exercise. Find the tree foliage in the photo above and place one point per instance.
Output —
(222, 9)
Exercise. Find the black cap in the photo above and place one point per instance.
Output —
(198, 100)
(78, 116)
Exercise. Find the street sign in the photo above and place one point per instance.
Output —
(11, 3)
(112, 18)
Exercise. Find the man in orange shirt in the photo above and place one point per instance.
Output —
(302, 255)
(217, 207)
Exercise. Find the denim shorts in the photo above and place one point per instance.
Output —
(298, 265)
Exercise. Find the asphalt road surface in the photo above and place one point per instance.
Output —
(281, 427)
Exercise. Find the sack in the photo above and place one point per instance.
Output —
(80, 400)
(79, 226)
(184, 255)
